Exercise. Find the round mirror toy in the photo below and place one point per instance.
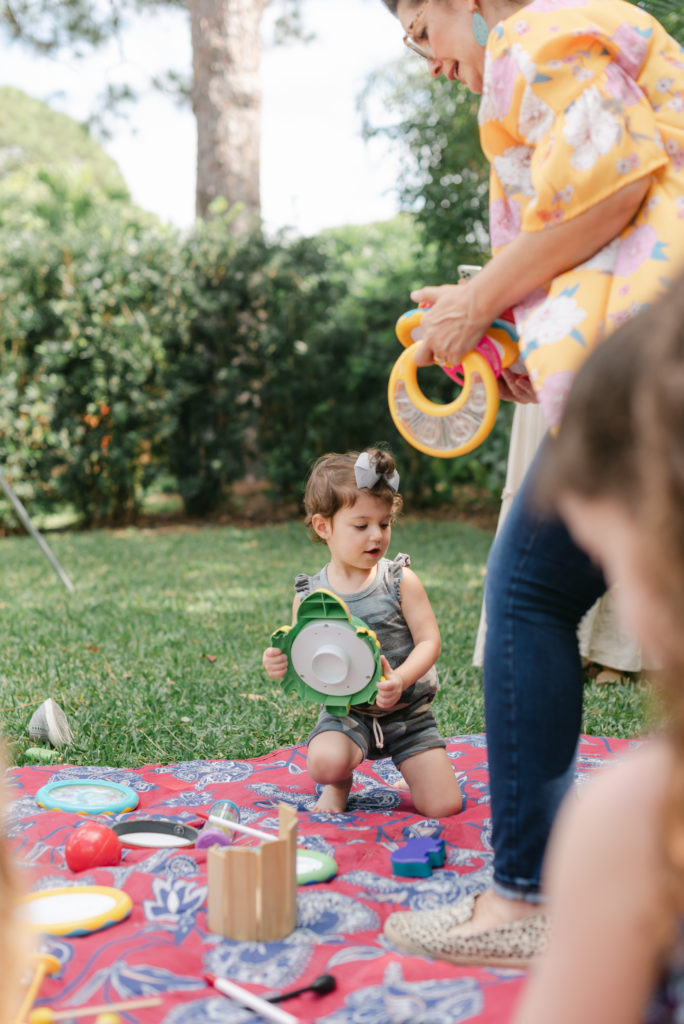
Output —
(76, 909)
(87, 796)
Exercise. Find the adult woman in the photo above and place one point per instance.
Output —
(582, 121)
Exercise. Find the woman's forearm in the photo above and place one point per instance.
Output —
(534, 258)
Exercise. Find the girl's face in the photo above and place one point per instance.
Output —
(611, 537)
(358, 535)
(445, 29)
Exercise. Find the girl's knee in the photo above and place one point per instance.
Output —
(438, 805)
(327, 765)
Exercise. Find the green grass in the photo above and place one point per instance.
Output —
(157, 655)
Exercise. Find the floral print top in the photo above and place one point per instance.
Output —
(582, 97)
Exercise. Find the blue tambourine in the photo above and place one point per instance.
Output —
(87, 796)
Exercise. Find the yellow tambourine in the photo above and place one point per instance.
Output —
(454, 428)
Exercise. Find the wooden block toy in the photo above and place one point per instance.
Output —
(253, 892)
(417, 857)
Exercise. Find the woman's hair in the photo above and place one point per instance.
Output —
(332, 484)
(622, 438)
(393, 4)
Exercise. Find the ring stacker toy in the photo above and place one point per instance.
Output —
(45, 963)
(333, 658)
(76, 909)
(105, 1013)
(457, 427)
(221, 811)
(87, 796)
(153, 833)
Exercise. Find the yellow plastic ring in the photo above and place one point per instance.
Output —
(444, 430)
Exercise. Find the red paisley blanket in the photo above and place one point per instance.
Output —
(164, 947)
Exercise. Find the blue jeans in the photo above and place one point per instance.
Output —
(539, 585)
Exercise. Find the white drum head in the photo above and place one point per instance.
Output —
(332, 659)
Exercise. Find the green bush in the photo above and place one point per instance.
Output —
(84, 304)
(129, 351)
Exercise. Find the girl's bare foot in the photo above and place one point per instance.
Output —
(491, 910)
(333, 799)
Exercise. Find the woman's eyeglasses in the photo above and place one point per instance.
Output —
(408, 38)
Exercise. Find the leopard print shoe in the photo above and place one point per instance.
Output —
(430, 933)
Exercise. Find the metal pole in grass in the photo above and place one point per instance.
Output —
(25, 520)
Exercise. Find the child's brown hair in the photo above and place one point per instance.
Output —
(332, 484)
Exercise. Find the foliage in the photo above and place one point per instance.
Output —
(130, 351)
(74, 29)
(82, 278)
(443, 175)
(669, 13)
(32, 136)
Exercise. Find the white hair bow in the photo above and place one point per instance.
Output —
(367, 475)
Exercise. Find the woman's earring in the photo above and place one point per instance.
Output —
(480, 29)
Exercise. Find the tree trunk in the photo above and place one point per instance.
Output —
(226, 99)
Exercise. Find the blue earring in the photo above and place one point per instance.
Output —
(480, 29)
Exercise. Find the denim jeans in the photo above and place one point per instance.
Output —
(539, 585)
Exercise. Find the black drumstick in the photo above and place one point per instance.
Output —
(323, 984)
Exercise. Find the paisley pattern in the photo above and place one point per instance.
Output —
(164, 948)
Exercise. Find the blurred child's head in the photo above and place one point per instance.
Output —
(15, 943)
(351, 501)
(615, 471)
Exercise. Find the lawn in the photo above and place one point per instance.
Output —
(157, 655)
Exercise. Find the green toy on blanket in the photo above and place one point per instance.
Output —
(333, 658)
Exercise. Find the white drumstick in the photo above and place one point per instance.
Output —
(236, 826)
(241, 995)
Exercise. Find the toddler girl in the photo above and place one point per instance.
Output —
(615, 870)
(351, 502)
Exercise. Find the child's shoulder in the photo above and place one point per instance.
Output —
(304, 583)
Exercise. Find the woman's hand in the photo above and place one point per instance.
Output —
(514, 387)
(275, 662)
(453, 325)
(390, 687)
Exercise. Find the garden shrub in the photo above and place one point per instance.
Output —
(129, 350)
(84, 303)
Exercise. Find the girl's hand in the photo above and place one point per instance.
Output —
(513, 387)
(453, 325)
(390, 687)
(275, 662)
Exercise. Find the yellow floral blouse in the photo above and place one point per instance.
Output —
(580, 98)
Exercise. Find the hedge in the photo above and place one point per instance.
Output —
(130, 350)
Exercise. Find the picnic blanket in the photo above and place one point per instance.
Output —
(165, 948)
